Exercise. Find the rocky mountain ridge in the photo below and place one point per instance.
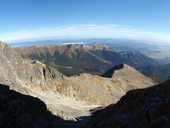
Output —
(127, 74)
(67, 97)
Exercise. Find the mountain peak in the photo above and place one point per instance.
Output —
(111, 71)
(102, 47)
(87, 46)
(3, 44)
(128, 75)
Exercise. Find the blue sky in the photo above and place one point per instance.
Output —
(139, 19)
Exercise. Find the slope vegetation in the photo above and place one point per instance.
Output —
(76, 58)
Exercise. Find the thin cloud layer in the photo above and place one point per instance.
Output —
(86, 31)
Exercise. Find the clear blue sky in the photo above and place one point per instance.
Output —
(36, 15)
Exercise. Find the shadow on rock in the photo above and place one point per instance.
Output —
(141, 108)
(22, 111)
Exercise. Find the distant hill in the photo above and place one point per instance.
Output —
(162, 72)
(74, 59)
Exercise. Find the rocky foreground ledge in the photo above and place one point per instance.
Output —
(142, 108)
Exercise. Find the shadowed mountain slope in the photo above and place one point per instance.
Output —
(162, 72)
(128, 75)
(142, 108)
(110, 72)
(23, 111)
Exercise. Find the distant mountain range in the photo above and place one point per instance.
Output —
(74, 59)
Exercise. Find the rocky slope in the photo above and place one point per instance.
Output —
(129, 75)
(81, 58)
(67, 97)
(22, 111)
(142, 108)
(145, 108)
(14, 68)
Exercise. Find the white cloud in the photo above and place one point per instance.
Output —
(86, 31)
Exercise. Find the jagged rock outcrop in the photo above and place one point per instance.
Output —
(142, 108)
(67, 97)
(14, 68)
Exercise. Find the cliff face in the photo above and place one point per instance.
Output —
(143, 108)
(15, 69)
(67, 97)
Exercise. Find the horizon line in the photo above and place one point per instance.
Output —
(86, 31)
